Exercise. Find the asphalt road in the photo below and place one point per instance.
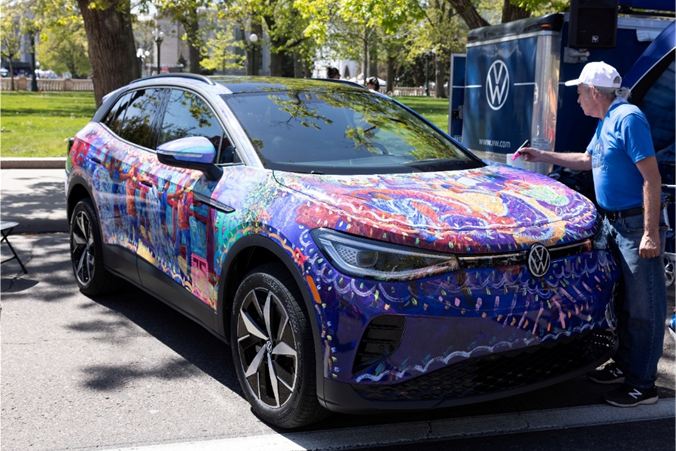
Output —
(126, 371)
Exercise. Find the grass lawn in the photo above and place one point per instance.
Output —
(36, 124)
(435, 110)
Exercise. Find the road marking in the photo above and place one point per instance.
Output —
(420, 431)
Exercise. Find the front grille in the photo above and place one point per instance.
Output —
(498, 373)
(381, 338)
(520, 257)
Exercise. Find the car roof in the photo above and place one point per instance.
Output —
(249, 84)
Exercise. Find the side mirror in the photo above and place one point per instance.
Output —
(194, 152)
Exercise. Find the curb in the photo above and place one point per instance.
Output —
(33, 163)
(397, 434)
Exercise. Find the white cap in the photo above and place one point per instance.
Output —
(598, 74)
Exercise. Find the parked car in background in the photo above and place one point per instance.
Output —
(351, 255)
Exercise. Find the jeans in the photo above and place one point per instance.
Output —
(641, 309)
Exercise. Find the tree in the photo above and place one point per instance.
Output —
(433, 39)
(188, 13)
(10, 40)
(468, 11)
(223, 51)
(110, 38)
(63, 44)
(360, 21)
(511, 10)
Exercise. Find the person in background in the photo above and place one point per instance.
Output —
(373, 84)
(332, 73)
(627, 186)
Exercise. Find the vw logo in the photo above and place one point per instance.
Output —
(538, 260)
(497, 85)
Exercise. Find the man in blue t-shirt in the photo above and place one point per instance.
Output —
(627, 184)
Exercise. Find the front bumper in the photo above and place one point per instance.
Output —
(478, 379)
(451, 318)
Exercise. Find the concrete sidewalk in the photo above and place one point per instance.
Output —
(35, 199)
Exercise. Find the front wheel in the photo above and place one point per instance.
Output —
(86, 251)
(273, 349)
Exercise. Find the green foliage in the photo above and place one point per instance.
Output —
(221, 51)
(541, 7)
(385, 15)
(63, 48)
(10, 38)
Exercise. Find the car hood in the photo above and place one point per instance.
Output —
(490, 209)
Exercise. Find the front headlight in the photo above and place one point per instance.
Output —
(362, 257)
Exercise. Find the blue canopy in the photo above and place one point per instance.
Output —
(658, 49)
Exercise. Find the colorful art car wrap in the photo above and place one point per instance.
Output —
(155, 211)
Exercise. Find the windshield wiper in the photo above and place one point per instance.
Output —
(445, 163)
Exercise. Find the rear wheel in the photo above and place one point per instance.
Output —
(273, 349)
(86, 251)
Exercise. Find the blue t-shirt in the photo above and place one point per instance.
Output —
(621, 140)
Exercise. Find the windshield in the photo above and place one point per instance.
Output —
(342, 132)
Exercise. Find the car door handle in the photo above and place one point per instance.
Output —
(96, 160)
(147, 183)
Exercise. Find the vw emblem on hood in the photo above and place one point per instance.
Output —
(538, 260)
(497, 85)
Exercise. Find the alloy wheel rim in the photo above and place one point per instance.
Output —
(82, 248)
(267, 348)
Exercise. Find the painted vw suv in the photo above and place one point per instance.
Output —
(353, 256)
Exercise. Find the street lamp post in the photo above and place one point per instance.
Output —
(159, 37)
(253, 38)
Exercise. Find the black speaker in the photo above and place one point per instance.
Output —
(593, 23)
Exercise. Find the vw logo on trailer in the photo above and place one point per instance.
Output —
(497, 85)
(538, 260)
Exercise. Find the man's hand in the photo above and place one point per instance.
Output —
(650, 246)
(529, 154)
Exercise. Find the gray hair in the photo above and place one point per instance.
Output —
(613, 93)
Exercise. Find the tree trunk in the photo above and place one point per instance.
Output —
(390, 73)
(512, 12)
(192, 27)
(439, 71)
(365, 66)
(194, 56)
(11, 73)
(469, 14)
(111, 45)
(276, 63)
(373, 58)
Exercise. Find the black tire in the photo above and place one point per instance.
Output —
(86, 251)
(293, 402)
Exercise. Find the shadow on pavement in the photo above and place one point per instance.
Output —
(40, 207)
(46, 270)
(200, 351)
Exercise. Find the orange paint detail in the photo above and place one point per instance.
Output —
(313, 289)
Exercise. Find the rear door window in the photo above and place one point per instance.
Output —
(141, 111)
(114, 117)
